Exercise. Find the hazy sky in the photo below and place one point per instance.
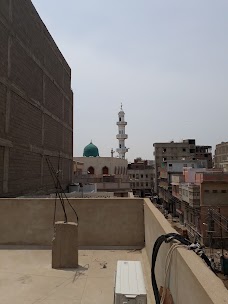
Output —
(166, 60)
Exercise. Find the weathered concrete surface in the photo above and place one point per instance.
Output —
(65, 245)
(102, 222)
(27, 277)
(191, 281)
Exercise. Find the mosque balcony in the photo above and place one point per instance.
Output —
(121, 136)
(121, 123)
(122, 150)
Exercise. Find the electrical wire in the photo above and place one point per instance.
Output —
(167, 239)
(58, 187)
(167, 267)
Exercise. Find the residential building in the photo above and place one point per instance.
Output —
(36, 104)
(221, 156)
(204, 198)
(170, 176)
(186, 149)
(141, 174)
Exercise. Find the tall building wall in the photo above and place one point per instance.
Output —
(221, 154)
(36, 103)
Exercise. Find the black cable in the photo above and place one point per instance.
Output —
(167, 238)
(62, 191)
(56, 187)
(59, 186)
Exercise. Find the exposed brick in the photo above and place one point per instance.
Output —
(1, 168)
(25, 122)
(25, 73)
(52, 134)
(2, 109)
(3, 51)
(53, 98)
(4, 9)
(68, 140)
(24, 171)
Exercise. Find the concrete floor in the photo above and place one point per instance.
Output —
(26, 277)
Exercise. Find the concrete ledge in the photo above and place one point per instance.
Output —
(112, 222)
(191, 281)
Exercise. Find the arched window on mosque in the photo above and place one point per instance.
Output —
(91, 170)
(105, 170)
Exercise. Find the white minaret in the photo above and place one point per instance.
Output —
(121, 136)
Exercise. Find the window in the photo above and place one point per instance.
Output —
(91, 170)
(137, 184)
(206, 191)
(137, 176)
(146, 175)
(212, 225)
(141, 175)
(184, 150)
(215, 191)
(105, 170)
(170, 165)
(120, 145)
(119, 118)
(141, 184)
(146, 184)
(223, 191)
(164, 158)
(164, 150)
(133, 184)
(206, 155)
(185, 165)
(192, 150)
(193, 166)
(133, 175)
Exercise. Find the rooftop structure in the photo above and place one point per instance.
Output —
(26, 263)
(91, 150)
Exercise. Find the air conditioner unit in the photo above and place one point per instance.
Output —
(129, 283)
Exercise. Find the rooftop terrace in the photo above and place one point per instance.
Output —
(29, 274)
(109, 230)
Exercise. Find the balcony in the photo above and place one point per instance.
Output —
(121, 123)
(114, 226)
(121, 136)
(123, 149)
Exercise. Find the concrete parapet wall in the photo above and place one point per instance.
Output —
(191, 281)
(102, 222)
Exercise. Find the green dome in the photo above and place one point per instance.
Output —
(91, 150)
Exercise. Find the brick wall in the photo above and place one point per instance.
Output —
(36, 103)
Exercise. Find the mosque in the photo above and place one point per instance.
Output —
(110, 172)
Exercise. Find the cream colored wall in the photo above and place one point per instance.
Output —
(102, 222)
(99, 162)
(191, 281)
